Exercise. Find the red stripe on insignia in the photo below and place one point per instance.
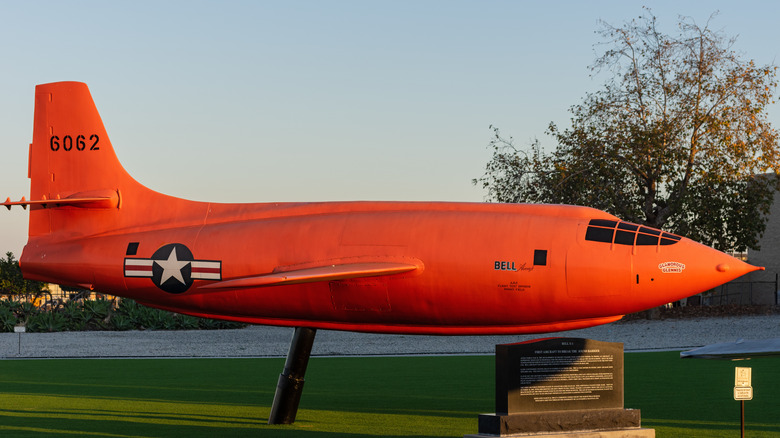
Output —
(138, 267)
(207, 270)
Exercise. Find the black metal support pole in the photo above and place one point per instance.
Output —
(290, 385)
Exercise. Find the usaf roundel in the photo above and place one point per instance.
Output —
(173, 268)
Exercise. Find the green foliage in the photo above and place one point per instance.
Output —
(231, 325)
(162, 320)
(186, 322)
(11, 280)
(81, 314)
(216, 324)
(101, 314)
(130, 315)
(98, 313)
(208, 324)
(22, 309)
(121, 322)
(142, 316)
(7, 319)
(74, 314)
(673, 140)
(98, 309)
(42, 322)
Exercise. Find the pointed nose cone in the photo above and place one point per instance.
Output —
(678, 270)
(728, 268)
(739, 266)
(706, 268)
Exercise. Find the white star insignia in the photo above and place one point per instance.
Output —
(172, 267)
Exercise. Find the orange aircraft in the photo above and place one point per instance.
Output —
(387, 267)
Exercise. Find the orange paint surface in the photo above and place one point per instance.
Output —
(391, 267)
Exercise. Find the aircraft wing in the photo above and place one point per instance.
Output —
(320, 273)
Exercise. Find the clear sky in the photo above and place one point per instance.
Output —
(262, 101)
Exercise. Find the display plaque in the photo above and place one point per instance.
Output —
(557, 374)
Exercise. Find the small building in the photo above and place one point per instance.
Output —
(761, 287)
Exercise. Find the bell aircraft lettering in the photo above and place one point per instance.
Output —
(504, 266)
(384, 267)
(173, 268)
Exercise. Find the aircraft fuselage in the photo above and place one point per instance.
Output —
(478, 268)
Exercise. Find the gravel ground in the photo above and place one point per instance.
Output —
(258, 341)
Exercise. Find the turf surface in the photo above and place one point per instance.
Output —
(378, 396)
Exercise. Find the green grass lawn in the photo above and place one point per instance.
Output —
(695, 397)
(379, 396)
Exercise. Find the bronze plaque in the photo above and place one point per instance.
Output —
(557, 374)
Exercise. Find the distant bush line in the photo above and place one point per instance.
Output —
(100, 314)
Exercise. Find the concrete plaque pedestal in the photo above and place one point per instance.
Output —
(622, 433)
(601, 422)
(561, 387)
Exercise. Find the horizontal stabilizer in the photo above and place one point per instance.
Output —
(320, 273)
(99, 199)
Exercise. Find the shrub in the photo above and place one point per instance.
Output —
(208, 324)
(75, 316)
(98, 312)
(7, 319)
(46, 322)
(162, 320)
(23, 310)
(142, 317)
(121, 322)
(187, 322)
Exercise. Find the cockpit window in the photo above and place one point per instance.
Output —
(602, 223)
(625, 237)
(644, 239)
(627, 226)
(669, 239)
(651, 231)
(626, 233)
(598, 234)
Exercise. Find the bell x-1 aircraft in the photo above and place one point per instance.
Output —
(439, 268)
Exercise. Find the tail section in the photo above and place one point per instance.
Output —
(79, 193)
(72, 165)
(77, 185)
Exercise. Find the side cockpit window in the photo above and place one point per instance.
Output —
(600, 230)
(626, 233)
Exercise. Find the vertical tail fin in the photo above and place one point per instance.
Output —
(79, 191)
(72, 165)
(78, 186)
